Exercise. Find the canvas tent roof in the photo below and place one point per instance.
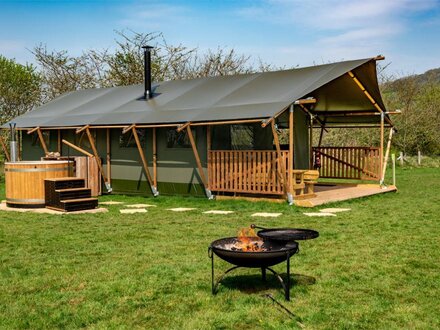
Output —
(247, 96)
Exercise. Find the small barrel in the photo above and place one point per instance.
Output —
(24, 181)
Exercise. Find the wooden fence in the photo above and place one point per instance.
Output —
(243, 171)
(358, 163)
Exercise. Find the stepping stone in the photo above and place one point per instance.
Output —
(266, 215)
(111, 203)
(131, 211)
(334, 210)
(320, 214)
(140, 205)
(218, 212)
(181, 209)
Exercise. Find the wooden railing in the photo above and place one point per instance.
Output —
(243, 171)
(358, 163)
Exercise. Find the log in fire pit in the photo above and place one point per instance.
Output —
(249, 250)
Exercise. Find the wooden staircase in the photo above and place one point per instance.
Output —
(68, 194)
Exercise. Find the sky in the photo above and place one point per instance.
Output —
(286, 33)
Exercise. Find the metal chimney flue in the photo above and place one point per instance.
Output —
(13, 144)
(148, 93)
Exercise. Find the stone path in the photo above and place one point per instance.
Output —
(140, 205)
(266, 215)
(334, 210)
(182, 209)
(111, 203)
(218, 212)
(131, 211)
(319, 214)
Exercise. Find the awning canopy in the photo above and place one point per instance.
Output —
(239, 97)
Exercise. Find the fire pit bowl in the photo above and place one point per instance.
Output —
(268, 253)
(275, 252)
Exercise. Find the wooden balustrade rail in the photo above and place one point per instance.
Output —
(246, 171)
(356, 163)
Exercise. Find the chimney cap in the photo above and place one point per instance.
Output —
(146, 47)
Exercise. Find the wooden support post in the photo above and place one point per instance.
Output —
(382, 131)
(199, 163)
(208, 149)
(311, 143)
(154, 157)
(109, 158)
(321, 135)
(73, 146)
(291, 155)
(386, 156)
(280, 159)
(368, 95)
(59, 141)
(128, 128)
(182, 127)
(5, 149)
(393, 159)
(144, 162)
(97, 159)
(40, 137)
(43, 143)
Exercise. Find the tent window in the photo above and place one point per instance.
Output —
(127, 140)
(178, 139)
(36, 139)
(242, 137)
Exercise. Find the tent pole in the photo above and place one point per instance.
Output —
(144, 162)
(321, 135)
(311, 143)
(59, 141)
(40, 137)
(154, 158)
(282, 165)
(382, 179)
(208, 149)
(109, 166)
(199, 163)
(97, 159)
(367, 94)
(73, 146)
(291, 156)
(381, 140)
(5, 150)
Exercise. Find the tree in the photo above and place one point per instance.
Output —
(20, 87)
(124, 65)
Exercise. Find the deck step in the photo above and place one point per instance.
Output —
(78, 204)
(73, 193)
(64, 183)
(68, 194)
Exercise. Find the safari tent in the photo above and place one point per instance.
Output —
(248, 134)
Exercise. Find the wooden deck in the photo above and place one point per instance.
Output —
(336, 193)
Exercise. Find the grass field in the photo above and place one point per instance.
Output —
(375, 267)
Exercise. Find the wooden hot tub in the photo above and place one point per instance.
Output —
(25, 181)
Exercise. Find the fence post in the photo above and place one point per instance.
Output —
(419, 158)
(401, 158)
(393, 160)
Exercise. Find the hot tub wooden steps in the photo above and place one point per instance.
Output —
(68, 194)
(73, 193)
(79, 204)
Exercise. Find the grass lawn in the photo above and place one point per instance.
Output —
(376, 267)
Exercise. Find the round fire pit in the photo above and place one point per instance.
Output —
(257, 253)
(273, 252)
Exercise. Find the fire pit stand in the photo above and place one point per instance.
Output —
(285, 284)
